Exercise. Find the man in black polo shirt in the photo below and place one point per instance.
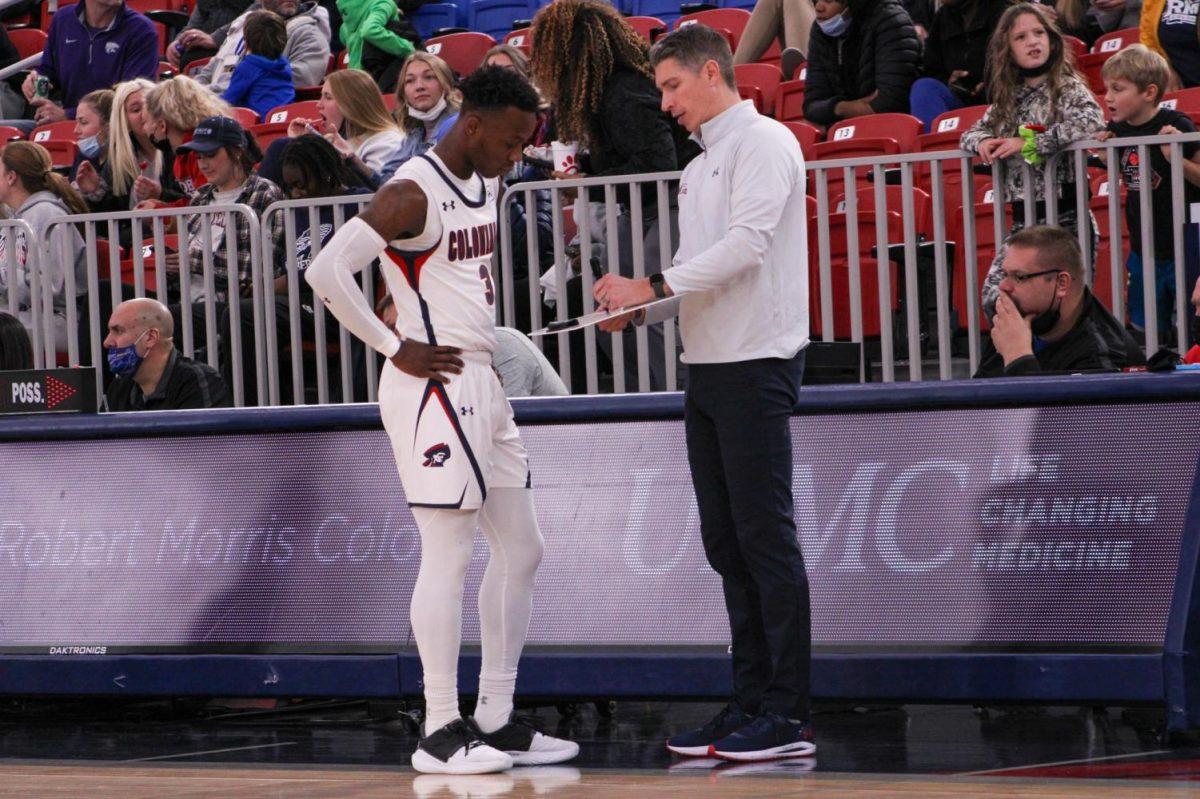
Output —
(1046, 319)
(151, 375)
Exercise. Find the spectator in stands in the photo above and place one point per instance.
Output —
(1106, 16)
(863, 59)
(955, 58)
(208, 16)
(226, 155)
(151, 375)
(311, 170)
(1040, 106)
(1071, 17)
(1135, 79)
(1046, 319)
(35, 193)
(130, 156)
(16, 348)
(787, 21)
(427, 106)
(378, 40)
(94, 44)
(91, 130)
(1169, 28)
(605, 100)
(262, 80)
(171, 112)
(307, 44)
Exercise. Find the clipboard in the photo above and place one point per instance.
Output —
(594, 318)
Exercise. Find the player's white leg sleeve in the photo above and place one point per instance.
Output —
(505, 598)
(331, 275)
(447, 537)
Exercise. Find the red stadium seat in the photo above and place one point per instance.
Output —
(246, 117)
(521, 39)
(278, 119)
(839, 272)
(1102, 287)
(730, 22)
(55, 131)
(170, 241)
(193, 69)
(806, 134)
(1090, 65)
(1116, 41)
(1187, 100)
(789, 100)
(1076, 44)
(901, 128)
(980, 259)
(894, 204)
(758, 82)
(649, 28)
(28, 41)
(462, 51)
(8, 134)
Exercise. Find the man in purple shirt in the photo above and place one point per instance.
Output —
(94, 44)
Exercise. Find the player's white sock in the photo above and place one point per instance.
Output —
(447, 538)
(505, 598)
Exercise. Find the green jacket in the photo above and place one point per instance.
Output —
(366, 21)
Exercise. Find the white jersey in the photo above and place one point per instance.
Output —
(441, 280)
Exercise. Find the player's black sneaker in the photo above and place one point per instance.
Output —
(526, 745)
(457, 749)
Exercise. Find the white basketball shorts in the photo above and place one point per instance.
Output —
(452, 442)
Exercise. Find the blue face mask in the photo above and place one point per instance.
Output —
(89, 147)
(125, 361)
(834, 27)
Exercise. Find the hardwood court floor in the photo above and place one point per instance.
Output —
(217, 782)
(148, 750)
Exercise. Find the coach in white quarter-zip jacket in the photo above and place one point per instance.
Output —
(741, 274)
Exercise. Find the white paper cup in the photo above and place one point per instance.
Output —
(565, 156)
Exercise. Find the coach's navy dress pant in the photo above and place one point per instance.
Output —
(737, 418)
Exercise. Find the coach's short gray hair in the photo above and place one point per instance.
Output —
(693, 46)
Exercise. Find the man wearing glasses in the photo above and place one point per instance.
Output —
(1047, 320)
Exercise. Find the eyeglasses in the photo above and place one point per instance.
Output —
(1022, 279)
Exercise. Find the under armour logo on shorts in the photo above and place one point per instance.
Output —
(448, 206)
(436, 456)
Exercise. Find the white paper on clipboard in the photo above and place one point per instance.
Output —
(587, 320)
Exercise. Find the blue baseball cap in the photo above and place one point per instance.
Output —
(214, 133)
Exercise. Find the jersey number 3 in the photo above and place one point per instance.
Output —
(489, 291)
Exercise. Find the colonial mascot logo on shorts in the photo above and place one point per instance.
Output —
(436, 456)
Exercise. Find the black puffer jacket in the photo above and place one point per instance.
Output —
(958, 40)
(880, 52)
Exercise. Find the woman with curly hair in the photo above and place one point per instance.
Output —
(595, 70)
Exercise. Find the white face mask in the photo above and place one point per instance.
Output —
(431, 114)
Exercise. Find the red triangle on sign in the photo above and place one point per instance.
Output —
(57, 392)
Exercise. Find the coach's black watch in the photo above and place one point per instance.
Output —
(659, 284)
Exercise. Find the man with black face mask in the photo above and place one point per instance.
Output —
(1047, 320)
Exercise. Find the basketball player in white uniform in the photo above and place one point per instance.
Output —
(461, 461)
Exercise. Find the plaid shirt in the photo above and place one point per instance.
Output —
(258, 193)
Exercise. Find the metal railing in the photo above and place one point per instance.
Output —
(868, 240)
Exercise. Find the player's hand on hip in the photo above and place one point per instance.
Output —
(428, 361)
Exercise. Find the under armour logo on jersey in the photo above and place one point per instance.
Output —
(436, 456)
(448, 206)
(467, 410)
(716, 172)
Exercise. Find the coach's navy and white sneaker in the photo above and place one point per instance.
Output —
(698, 742)
(527, 746)
(458, 749)
(767, 737)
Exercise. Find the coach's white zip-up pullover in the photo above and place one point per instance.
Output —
(742, 266)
